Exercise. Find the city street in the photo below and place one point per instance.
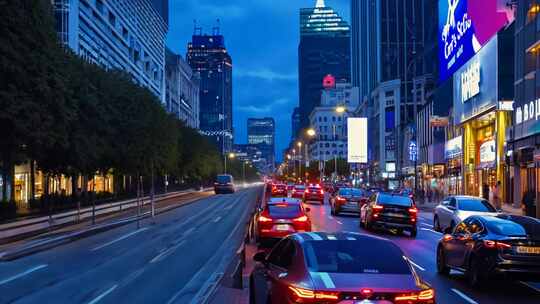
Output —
(171, 261)
(422, 252)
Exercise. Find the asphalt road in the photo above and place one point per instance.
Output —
(422, 251)
(174, 260)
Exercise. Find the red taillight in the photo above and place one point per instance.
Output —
(307, 191)
(264, 219)
(341, 199)
(378, 207)
(300, 293)
(303, 218)
(495, 244)
(424, 295)
(413, 210)
(366, 292)
(321, 191)
(447, 237)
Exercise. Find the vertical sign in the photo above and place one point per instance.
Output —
(357, 140)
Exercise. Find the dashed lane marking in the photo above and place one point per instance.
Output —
(22, 274)
(166, 253)
(103, 295)
(464, 296)
(431, 230)
(339, 222)
(217, 219)
(119, 239)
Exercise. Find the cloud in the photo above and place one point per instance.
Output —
(223, 11)
(266, 109)
(265, 74)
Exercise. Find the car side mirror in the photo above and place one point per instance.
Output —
(308, 209)
(500, 210)
(260, 257)
(452, 208)
(448, 230)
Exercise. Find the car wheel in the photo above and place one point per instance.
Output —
(414, 232)
(436, 224)
(473, 274)
(442, 267)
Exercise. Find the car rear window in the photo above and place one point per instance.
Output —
(515, 226)
(340, 256)
(224, 179)
(353, 192)
(280, 186)
(475, 205)
(314, 189)
(397, 200)
(284, 211)
(300, 187)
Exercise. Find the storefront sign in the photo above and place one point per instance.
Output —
(528, 111)
(438, 121)
(453, 148)
(475, 84)
(465, 26)
(391, 167)
(357, 140)
(413, 151)
(487, 153)
(507, 105)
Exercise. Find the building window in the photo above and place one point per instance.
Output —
(112, 19)
(333, 118)
(325, 120)
(124, 33)
(99, 6)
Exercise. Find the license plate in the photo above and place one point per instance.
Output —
(528, 250)
(282, 227)
(394, 214)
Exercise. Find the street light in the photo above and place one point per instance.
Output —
(299, 144)
(231, 156)
(311, 132)
(341, 109)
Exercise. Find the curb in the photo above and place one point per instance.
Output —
(46, 244)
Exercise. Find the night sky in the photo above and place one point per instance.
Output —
(262, 37)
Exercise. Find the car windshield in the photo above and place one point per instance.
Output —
(352, 192)
(478, 205)
(284, 210)
(385, 199)
(340, 256)
(223, 179)
(299, 187)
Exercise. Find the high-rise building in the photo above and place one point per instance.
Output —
(261, 132)
(182, 90)
(212, 64)
(117, 34)
(295, 122)
(324, 49)
(162, 7)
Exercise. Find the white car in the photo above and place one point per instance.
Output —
(454, 209)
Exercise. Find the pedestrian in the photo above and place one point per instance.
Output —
(528, 203)
(496, 196)
(485, 191)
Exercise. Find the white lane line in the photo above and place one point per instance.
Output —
(530, 286)
(103, 295)
(464, 296)
(427, 225)
(120, 239)
(330, 217)
(431, 230)
(22, 274)
(166, 253)
(416, 265)
(217, 219)
(189, 231)
(339, 222)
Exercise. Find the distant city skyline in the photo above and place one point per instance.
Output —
(262, 85)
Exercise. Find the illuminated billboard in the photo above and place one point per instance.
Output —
(465, 26)
(357, 140)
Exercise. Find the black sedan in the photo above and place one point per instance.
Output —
(484, 247)
(391, 212)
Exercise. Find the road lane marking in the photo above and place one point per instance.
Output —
(103, 295)
(330, 217)
(416, 265)
(119, 239)
(22, 274)
(530, 286)
(166, 253)
(427, 225)
(464, 296)
(217, 219)
(431, 230)
(339, 222)
(189, 231)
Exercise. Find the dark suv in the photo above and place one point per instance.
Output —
(224, 184)
(389, 211)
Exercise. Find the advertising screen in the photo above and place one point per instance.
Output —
(465, 26)
(357, 140)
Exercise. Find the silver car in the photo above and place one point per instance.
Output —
(454, 209)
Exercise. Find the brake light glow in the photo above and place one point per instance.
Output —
(495, 244)
(366, 292)
(447, 237)
(378, 207)
(303, 218)
(307, 191)
(424, 295)
(301, 293)
(341, 199)
(413, 210)
(264, 219)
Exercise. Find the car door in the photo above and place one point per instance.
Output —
(474, 230)
(454, 246)
(449, 210)
(278, 270)
(262, 283)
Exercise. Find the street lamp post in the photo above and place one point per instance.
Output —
(299, 144)
(231, 156)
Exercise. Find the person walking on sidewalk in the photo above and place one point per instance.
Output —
(496, 196)
(528, 202)
(485, 191)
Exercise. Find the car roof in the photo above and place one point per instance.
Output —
(281, 200)
(466, 197)
(328, 236)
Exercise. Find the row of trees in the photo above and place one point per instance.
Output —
(340, 165)
(74, 118)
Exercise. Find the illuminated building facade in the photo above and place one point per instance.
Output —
(212, 64)
(261, 132)
(324, 49)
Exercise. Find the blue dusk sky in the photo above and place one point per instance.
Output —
(262, 38)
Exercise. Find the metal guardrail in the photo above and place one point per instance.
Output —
(29, 226)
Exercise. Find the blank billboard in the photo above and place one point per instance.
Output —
(357, 139)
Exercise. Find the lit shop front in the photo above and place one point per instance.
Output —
(453, 152)
(481, 110)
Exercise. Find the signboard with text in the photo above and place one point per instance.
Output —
(465, 26)
(357, 139)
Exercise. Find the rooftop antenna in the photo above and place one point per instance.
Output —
(215, 29)
(197, 30)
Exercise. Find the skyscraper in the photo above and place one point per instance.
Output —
(261, 132)
(162, 7)
(212, 64)
(324, 49)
